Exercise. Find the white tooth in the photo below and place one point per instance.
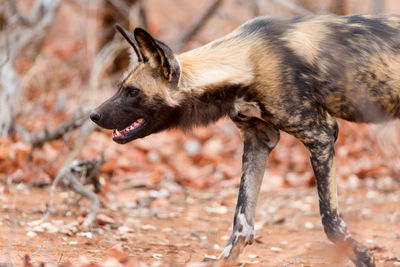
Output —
(117, 133)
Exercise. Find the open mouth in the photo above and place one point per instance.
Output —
(127, 132)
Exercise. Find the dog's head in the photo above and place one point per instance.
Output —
(143, 103)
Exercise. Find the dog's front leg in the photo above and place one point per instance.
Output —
(259, 139)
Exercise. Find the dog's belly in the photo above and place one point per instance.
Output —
(363, 105)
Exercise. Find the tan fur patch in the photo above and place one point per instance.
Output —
(268, 71)
(393, 21)
(389, 70)
(226, 63)
(333, 185)
(304, 38)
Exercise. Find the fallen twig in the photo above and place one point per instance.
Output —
(74, 176)
(197, 23)
(288, 263)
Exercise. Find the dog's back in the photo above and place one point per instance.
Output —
(349, 65)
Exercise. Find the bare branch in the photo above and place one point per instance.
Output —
(293, 7)
(110, 51)
(137, 15)
(197, 23)
(378, 6)
(121, 6)
(337, 7)
(39, 138)
(23, 20)
(7, 50)
(87, 128)
(104, 59)
(293, 261)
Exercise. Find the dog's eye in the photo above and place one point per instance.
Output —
(132, 91)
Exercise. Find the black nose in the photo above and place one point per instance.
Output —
(95, 117)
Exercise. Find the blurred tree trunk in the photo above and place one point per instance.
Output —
(28, 31)
(377, 6)
(112, 57)
(130, 14)
(2, 14)
(338, 7)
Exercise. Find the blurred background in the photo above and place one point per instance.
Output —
(61, 58)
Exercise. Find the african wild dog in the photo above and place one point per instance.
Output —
(268, 75)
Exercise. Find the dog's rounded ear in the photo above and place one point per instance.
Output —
(131, 40)
(158, 54)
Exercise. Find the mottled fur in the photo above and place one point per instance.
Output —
(268, 75)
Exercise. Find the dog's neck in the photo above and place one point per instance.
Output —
(214, 65)
(211, 77)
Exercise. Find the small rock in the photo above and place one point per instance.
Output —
(31, 234)
(159, 203)
(370, 241)
(153, 156)
(148, 227)
(275, 249)
(86, 234)
(371, 194)
(124, 229)
(217, 247)
(309, 225)
(103, 219)
(366, 212)
(111, 262)
(212, 148)
(192, 147)
(225, 237)
(386, 184)
(157, 256)
(211, 257)
(163, 193)
(217, 209)
(353, 181)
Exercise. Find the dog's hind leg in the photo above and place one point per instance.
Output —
(320, 141)
(259, 139)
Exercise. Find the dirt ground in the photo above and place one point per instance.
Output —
(183, 225)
